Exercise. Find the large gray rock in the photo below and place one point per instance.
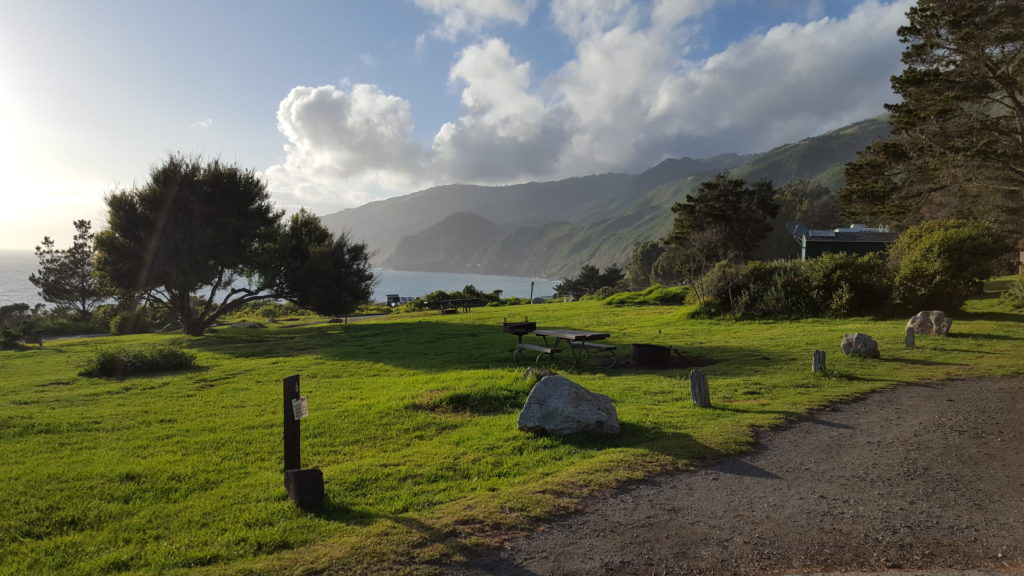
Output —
(559, 406)
(934, 322)
(860, 345)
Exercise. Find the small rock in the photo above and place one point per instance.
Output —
(860, 345)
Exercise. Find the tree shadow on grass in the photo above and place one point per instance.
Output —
(425, 345)
(920, 362)
(976, 336)
(992, 316)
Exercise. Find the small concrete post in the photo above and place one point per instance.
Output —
(699, 388)
(818, 362)
(908, 340)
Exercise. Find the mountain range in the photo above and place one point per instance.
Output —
(551, 229)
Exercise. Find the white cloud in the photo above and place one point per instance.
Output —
(507, 130)
(628, 98)
(202, 124)
(344, 147)
(470, 16)
(581, 19)
(670, 13)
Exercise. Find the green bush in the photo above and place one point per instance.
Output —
(939, 264)
(843, 285)
(775, 289)
(835, 285)
(1014, 295)
(130, 323)
(124, 361)
(656, 295)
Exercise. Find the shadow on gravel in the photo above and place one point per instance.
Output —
(739, 467)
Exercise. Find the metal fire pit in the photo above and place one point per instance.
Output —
(651, 356)
(520, 329)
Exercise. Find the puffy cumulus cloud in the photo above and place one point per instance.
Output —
(470, 16)
(634, 98)
(629, 97)
(789, 83)
(344, 147)
(507, 131)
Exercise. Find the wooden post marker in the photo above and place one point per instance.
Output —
(699, 388)
(818, 362)
(292, 435)
(305, 486)
(908, 340)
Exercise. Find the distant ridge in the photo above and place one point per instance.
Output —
(550, 229)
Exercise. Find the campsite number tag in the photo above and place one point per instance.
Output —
(300, 409)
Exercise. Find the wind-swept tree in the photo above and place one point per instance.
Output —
(201, 240)
(958, 133)
(66, 278)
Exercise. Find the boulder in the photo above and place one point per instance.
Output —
(559, 406)
(934, 322)
(860, 345)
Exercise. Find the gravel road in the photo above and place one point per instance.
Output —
(919, 479)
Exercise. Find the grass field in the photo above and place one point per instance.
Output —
(413, 422)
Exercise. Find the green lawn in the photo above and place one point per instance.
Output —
(413, 422)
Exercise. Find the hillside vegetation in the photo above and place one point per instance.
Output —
(551, 229)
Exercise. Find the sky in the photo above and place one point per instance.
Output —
(339, 103)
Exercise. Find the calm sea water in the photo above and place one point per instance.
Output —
(16, 265)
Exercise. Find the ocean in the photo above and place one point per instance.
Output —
(17, 265)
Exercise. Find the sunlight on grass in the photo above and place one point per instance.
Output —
(412, 420)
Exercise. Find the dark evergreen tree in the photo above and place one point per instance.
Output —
(958, 134)
(66, 278)
(740, 215)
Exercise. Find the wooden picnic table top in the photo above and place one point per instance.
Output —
(572, 335)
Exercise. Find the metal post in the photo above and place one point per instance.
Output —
(292, 456)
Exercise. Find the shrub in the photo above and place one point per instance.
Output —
(848, 285)
(130, 323)
(654, 295)
(1014, 295)
(715, 292)
(774, 289)
(123, 361)
(939, 264)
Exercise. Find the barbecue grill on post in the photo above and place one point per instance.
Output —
(519, 328)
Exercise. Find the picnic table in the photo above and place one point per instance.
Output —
(453, 306)
(581, 343)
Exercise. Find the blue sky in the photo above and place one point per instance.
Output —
(340, 103)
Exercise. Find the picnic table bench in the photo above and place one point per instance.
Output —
(581, 344)
(453, 306)
(541, 351)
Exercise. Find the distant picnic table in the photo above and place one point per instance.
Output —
(453, 306)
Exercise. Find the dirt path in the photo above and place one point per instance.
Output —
(922, 479)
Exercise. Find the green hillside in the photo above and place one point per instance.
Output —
(551, 229)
